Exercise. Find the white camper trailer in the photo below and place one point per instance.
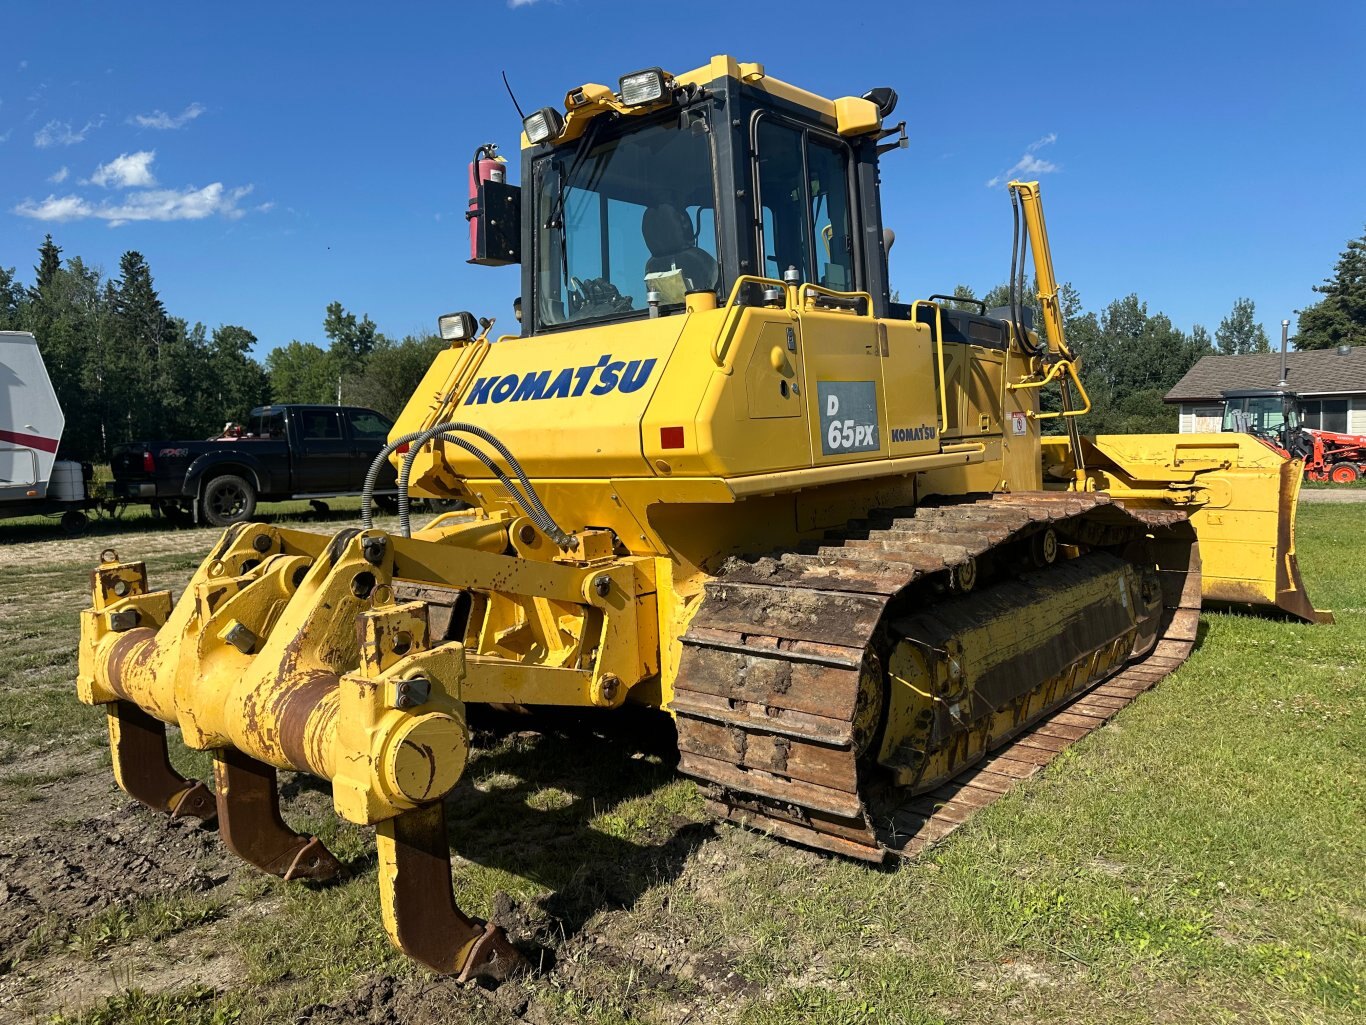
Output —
(32, 479)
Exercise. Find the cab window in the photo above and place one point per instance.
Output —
(319, 425)
(367, 425)
(806, 217)
(267, 425)
(618, 218)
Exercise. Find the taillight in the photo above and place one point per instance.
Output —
(149, 465)
(402, 449)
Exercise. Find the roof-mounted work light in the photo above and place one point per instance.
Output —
(642, 87)
(544, 125)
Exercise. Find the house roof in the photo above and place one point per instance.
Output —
(1312, 372)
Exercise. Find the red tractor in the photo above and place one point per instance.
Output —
(1272, 416)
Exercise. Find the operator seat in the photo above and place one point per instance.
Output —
(673, 244)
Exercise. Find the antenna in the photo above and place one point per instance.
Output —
(513, 98)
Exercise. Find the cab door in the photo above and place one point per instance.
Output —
(807, 226)
(325, 459)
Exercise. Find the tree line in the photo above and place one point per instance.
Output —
(125, 369)
(1131, 357)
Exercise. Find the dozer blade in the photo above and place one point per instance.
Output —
(1242, 497)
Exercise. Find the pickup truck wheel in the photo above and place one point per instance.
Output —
(228, 499)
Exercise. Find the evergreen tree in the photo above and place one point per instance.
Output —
(143, 392)
(65, 316)
(49, 263)
(13, 301)
(239, 383)
(1239, 333)
(1339, 318)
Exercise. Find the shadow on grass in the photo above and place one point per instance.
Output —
(562, 799)
(562, 807)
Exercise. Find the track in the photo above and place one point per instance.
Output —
(772, 700)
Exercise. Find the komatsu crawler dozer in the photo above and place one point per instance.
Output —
(718, 473)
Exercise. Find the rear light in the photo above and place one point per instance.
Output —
(402, 449)
(149, 465)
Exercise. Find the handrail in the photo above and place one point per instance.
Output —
(939, 355)
(721, 346)
(1062, 366)
(865, 297)
(751, 279)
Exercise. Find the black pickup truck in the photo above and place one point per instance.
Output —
(282, 452)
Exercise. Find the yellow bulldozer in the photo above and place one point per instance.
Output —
(718, 473)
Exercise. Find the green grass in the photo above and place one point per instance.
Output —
(198, 1006)
(153, 919)
(1199, 859)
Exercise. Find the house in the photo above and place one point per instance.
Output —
(1331, 384)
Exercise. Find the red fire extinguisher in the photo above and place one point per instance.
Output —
(484, 168)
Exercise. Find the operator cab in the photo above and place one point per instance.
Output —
(1266, 413)
(620, 211)
(1271, 414)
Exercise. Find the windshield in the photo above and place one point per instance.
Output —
(1260, 415)
(632, 215)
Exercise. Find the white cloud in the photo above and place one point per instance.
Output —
(60, 133)
(23, 65)
(5, 137)
(126, 171)
(189, 204)
(1028, 163)
(514, 4)
(162, 120)
(58, 176)
(67, 208)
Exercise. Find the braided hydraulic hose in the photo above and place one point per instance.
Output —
(525, 495)
(1016, 287)
(367, 491)
(416, 440)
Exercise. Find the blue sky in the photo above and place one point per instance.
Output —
(269, 158)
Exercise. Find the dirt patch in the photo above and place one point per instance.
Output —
(69, 872)
(68, 983)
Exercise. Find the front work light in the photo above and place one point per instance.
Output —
(458, 327)
(642, 87)
(544, 125)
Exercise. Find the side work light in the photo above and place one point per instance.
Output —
(458, 327)
(544, 125)
(642, 87)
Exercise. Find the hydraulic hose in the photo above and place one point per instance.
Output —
(1015, 283)
(367, 491)
(525, 495)
(415, 441)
